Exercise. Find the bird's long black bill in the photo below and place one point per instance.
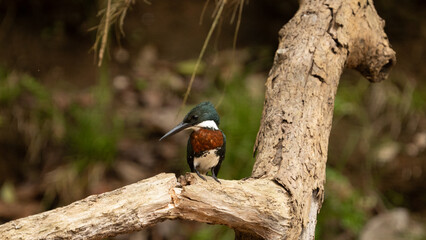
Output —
(175, 130)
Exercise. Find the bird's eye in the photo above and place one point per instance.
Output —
(194, 117)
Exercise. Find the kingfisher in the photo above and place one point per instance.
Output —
(206, 144)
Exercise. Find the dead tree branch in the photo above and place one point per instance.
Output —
(257, 206)
(285, 193)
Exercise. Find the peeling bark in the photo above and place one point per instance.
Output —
(284, 195)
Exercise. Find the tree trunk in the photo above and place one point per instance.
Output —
(315, 46)
(282, 198)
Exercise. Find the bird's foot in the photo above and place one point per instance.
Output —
(214, 177)
(201, 176)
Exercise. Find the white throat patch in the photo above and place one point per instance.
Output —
(205, 124)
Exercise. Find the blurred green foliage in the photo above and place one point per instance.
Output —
(208, 232)
(187, 67)
(240, 122)
(9, 90)
(92, 136)
(7, 192)
(371, 125)
(93, 131)
(89, 132)
(23, 97)
(341, 206)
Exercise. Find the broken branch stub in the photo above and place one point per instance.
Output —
(369, 49)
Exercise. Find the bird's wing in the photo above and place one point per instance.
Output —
(190, 155)
(221, 152)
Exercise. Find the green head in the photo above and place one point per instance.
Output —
(204, 111)
(202, 115)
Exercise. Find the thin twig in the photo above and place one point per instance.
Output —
(237, 26)
(105, 34)
(114, 13)
(203, 11)
(234, 46)
(197, 64)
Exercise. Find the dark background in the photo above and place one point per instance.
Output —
(69, 129)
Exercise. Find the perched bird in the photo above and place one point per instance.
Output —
(207, 143)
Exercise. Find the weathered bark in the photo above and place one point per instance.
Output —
(315, 46)
(286, 190)
(256, 206)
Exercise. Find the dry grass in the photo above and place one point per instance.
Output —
(113, 13)
(237, 6)
(116, 10)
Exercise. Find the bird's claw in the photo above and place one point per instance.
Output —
(201, 176)
(214, 177)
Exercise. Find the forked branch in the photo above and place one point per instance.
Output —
(286, 189)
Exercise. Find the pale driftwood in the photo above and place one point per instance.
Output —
(126, 209)
(258, 206)
(283, 196)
